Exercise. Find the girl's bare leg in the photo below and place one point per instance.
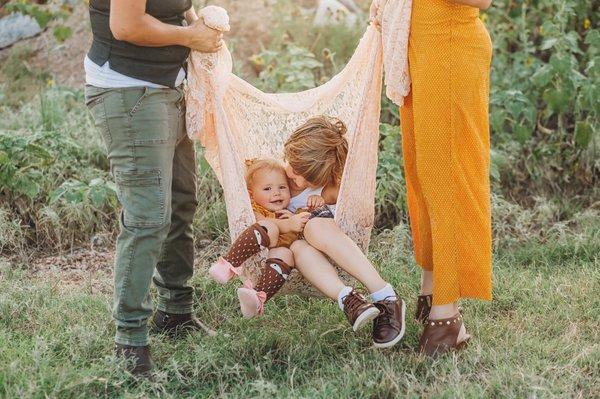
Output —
(326, 236)
(316, 269)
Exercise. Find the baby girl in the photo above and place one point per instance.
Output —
(275, 228)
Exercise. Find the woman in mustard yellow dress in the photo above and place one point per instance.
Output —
(445, 141)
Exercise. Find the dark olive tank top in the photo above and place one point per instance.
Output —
(158, 65)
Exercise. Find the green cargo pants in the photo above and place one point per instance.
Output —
(153, 163)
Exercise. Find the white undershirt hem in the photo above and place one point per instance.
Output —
(106, 78)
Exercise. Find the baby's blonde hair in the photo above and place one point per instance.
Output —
(255, 165)
(317, 150)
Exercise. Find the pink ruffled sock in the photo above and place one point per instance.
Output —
(270, 281)
(249, 243)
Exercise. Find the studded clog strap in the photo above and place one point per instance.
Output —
(440, 335)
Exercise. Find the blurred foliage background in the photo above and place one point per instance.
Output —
(56, 191)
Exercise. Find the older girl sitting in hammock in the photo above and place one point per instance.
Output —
(313, 183)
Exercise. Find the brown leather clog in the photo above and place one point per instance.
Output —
(441, 336)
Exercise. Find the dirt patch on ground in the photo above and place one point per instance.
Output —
(88, 269)
(250, 21)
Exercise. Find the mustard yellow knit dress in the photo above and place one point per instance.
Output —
(446, 146)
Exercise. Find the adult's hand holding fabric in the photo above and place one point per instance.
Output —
(202, 38)
(206, 33)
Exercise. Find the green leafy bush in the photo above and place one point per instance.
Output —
(52, 186)
(545, 96)
(301, 56)
(291, 69)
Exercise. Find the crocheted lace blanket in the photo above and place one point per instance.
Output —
(235, 121)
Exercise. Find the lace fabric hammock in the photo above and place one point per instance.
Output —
(235, 121)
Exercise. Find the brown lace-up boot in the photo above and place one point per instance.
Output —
(358, 311)
(389, 326)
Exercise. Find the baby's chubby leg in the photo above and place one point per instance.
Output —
(284, 254)
(251, 241)
(272, 232)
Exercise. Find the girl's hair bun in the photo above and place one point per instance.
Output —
(317, 150)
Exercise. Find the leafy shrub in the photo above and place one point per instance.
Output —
(545, 98)
(291, 69)
(51, 184)
(19, 82)
(301, 56)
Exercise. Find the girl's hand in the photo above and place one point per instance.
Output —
(298, 221)
(283, 214)
(202, 38)
(315, 201)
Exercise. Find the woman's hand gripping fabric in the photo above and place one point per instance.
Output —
(207, 32)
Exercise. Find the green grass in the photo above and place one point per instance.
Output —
(538, 338)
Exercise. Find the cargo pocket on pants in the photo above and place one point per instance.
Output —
(94, 100)
(142, 197)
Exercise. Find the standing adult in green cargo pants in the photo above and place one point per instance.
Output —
(134, 74)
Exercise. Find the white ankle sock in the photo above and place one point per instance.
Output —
(385, 292)
(342, 294)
